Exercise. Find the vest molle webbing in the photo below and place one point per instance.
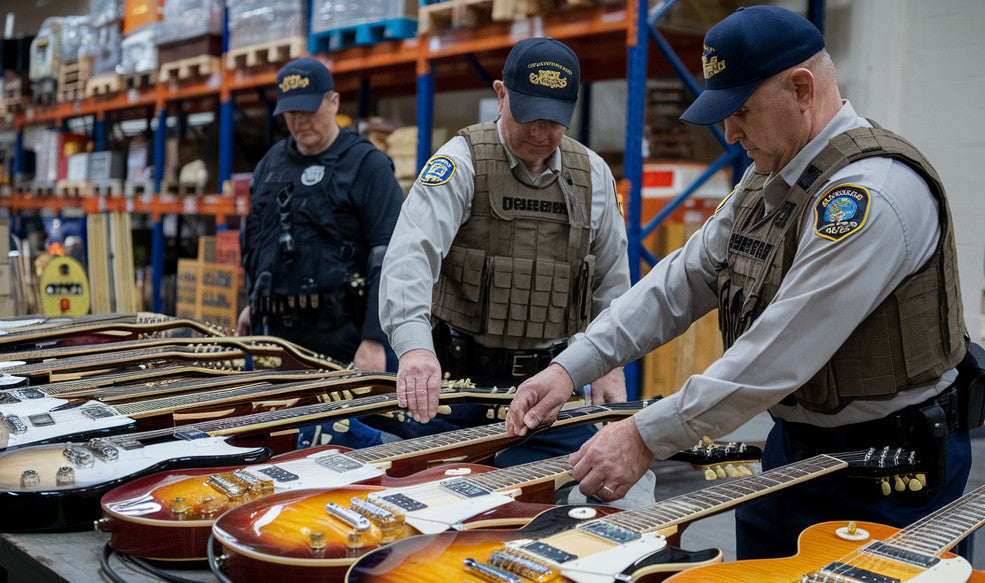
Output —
(518, 271)
(909, 340)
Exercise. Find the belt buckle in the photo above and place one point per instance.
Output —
(518, 362)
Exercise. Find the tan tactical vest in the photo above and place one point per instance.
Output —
(909, 340)
(518, 271)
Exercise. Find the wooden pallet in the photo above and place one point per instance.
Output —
(143, 80)
(452, 14)
(278, 51)
(190, 68)
(74, 188)
(183, 188)
(105, 85)
(111, 187)
(72, 78)
(512, 10)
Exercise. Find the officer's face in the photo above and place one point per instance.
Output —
(531, 142)
(771, 125)
(315, 131)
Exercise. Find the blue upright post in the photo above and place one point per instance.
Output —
(633, 161)
(19, 163)
(157, 231)
(99, 134)
(425, 112)
(226, 139)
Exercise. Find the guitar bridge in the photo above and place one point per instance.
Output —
(527, 567)
(391, 524)
(841, 573)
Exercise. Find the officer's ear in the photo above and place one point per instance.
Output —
(332, 97)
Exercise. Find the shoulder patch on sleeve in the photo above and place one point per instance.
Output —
(437, 171)
(841, 211)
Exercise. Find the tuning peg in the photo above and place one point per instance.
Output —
(744, 470)
(915, 486)
(444, 409)
(731, 472)
(710, 474)
(922, 478)
(886, 488)
(719, 471)
(341, 426)
(898, 484)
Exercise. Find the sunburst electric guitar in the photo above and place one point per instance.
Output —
(864, 551)
(169, 515)
(573, 545)
(316, 534)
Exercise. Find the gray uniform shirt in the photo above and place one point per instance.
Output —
(430, 219)
(830, 288)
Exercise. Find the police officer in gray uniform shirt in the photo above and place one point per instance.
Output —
(833, 268)
(509, 242)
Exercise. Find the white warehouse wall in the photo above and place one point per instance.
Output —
(916, 68)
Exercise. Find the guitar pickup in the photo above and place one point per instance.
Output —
(190, 434)
(464, 488)
(279, 474)
(339, 463)
(609, 532)
(97, 412)
(32, 393)
(401, 501)
(41, 420)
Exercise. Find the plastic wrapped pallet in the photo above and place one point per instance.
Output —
(109, 49)
(46, 49)
(254, 22)
(334, 14)
(103, 12)
(78, 38)
(139, 51)
(184, 19)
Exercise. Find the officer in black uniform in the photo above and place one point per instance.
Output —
(323, 203)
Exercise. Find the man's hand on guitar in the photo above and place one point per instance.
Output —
(419, 383)
(609, 463)
(538, 399)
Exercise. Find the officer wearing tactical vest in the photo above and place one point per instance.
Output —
(510, 241)
(323, 203)
(832, 265)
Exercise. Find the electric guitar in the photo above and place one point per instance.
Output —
(169, 515)
(28, 333)
(321, 532)
(38, 400)
(58, 486)
(844, 551)
(570, 544)
(72, 362)
(92, 419)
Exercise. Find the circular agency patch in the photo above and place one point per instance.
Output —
(841, 211)
(438, 170)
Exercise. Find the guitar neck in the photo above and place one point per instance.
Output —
(941, 530)
(707, 501)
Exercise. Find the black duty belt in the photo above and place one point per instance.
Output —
(294, 309)
(898, 429)
(461, 356)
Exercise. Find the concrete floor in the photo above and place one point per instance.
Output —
(675, 478)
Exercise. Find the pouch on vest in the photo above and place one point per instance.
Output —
(971, 388)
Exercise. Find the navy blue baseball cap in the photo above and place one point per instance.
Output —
(302, 85)
(542, 76)
(749, 45)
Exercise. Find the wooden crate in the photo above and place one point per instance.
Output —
(105, 85)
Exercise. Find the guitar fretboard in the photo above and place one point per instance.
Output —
(941, 530)
(717, 498)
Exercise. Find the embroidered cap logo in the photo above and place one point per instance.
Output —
(293, 82)
(710, 63)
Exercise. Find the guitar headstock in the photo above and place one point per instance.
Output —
(720, 460)
(896, 469)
